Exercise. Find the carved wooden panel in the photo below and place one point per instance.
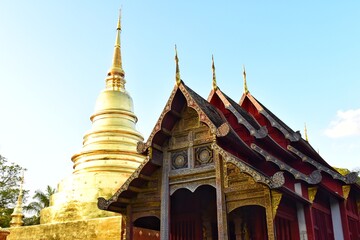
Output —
(189, 143)
(179, 159)
(203, 155)
(242, 190)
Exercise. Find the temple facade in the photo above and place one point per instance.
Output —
(225, 169)
(211, 169)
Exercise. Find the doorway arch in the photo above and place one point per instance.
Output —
(248, 222)
(193, 214)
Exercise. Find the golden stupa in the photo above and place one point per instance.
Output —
(108, 156)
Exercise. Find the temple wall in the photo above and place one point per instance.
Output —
(91, 229)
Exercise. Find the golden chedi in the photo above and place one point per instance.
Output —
(108, 156)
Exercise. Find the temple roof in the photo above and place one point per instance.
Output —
(257, 141)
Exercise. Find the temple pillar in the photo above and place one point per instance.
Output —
(301, 221)
(300, 214)
(336, 219)
(129, 223)
(165, 199)
(220, 198)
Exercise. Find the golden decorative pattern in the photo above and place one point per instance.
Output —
(223, 130)
(203, 155)
(312, 193)
(179, 159)
(276, 181)
(275, 201)
(346, 190)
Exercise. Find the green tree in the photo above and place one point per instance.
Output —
(10, 178)
(42, 200)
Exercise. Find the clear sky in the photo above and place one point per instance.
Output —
(302, 60)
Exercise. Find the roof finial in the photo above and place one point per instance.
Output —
(177, 76)
(17, 215)
(245, 84)
(214, 74)
(305, 132)
(116, 81)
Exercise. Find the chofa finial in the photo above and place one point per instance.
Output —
(305, 132)
(246, 90)
(177, 76)
(214, 85)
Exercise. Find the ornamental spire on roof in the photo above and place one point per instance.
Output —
(305, 132)
(214, 85)
(116, 73)
(246, 90)
(177, 76)
(17, 215)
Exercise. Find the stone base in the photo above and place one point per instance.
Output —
(108, 228)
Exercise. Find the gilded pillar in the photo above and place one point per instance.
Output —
(269, 216)
(220, 198)
(165, 199)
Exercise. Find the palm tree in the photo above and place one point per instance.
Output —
(42, 201)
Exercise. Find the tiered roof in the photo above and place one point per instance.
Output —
(247, 134)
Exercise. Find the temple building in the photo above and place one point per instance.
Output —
(221, 169)
(211, 169)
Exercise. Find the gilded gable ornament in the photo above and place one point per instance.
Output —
(275, 201)
(312, 193)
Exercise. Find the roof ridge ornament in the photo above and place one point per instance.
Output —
(246, 90)
(305, 132)
(177, 76)
(214, 85)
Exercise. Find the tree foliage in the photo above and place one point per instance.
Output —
(10, 178)
(42, 200)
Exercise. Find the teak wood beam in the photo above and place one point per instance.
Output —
(124, 200)
(175, 113)
(147, 178)
(166, 132)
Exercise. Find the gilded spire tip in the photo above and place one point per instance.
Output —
(115, 79)
(177, 75)
(246, 90)
(214, 85)
(119, 21)
(305, 132)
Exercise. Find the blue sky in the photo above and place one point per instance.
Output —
(302, 61)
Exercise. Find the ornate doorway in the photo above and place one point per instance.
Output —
(193, 215)
(248, 222)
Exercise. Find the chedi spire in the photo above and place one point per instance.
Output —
(17, 216)
(116, 74)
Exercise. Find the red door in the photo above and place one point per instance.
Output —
(186, 227)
